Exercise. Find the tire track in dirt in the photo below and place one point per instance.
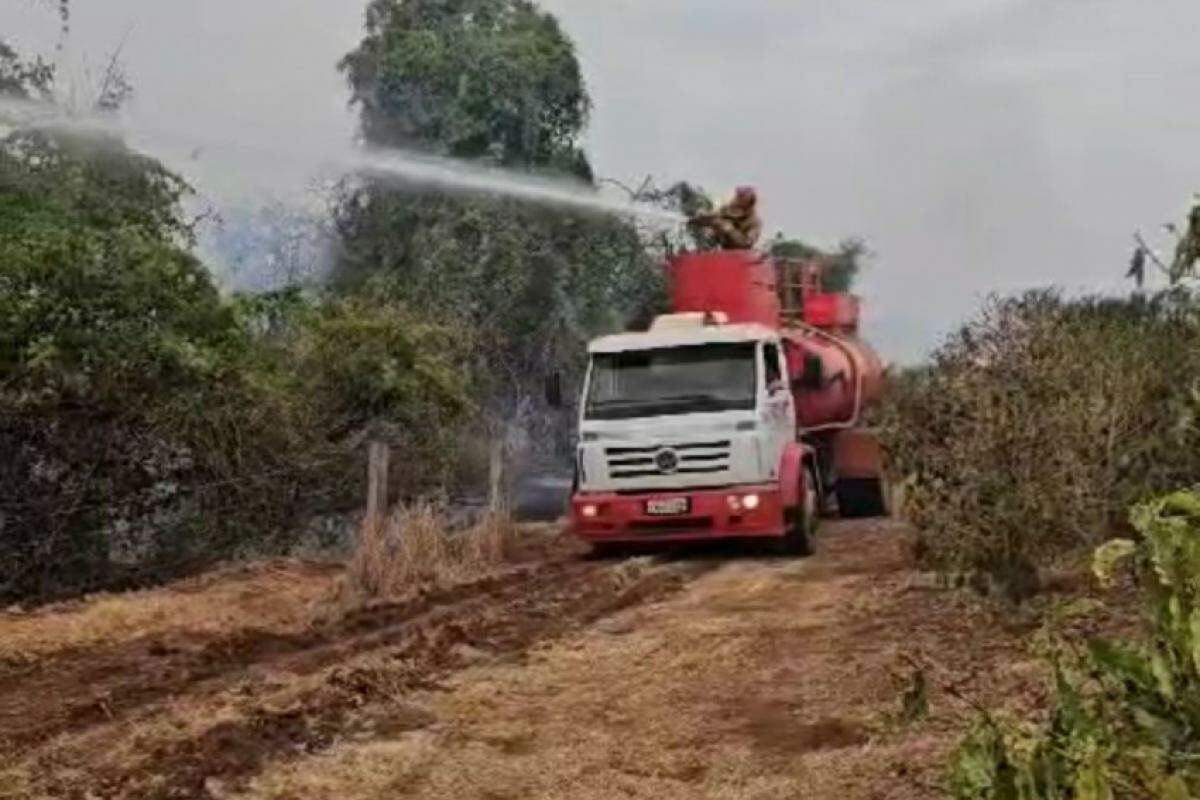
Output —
(43, 699)
(369, 660)
(767, 678)
(78, 688)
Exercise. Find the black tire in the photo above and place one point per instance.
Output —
(860, 498)
(802, 521)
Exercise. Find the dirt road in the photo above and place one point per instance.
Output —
(704, 676)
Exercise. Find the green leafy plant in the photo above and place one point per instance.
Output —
(1125, 720)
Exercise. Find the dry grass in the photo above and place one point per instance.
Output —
(414, 548)
(274, 596)
(764, 680)
(14, 780)
(379, 769)
(758, 683)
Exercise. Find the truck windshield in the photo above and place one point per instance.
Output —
(675, 380)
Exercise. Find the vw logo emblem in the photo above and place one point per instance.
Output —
(667, 461)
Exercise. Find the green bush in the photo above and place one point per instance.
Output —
(539, 281)
(1125, 721)
(151, 426)
(99, 297)
(371, 366)
(495, 83)
(1036, 425)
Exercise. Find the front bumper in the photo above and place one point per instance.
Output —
(712, 514)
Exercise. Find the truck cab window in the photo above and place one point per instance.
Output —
(693, 379)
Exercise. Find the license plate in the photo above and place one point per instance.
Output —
(669, 507)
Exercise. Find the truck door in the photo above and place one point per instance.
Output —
(779, 411)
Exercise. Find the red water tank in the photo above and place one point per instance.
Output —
(744, 285)
(740, 283)
(850, 375)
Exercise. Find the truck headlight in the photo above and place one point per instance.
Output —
(589, 511)
(746, 502)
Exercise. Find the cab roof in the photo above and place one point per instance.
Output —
(683, 334)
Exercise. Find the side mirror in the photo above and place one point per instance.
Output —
(813, 376)
(554, 393)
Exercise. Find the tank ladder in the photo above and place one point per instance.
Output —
(796, 279)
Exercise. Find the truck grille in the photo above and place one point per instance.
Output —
(696, 458)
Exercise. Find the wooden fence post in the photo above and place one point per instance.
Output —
(377, 484)
(497, 494)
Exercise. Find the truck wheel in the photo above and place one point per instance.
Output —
(859, 498)
(802, 520)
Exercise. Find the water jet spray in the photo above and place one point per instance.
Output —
(400, 166)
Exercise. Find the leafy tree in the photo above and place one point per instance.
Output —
(111, 337)
(92, 243)
(476, 79)
(99, 290)
(363, 358)
(533, 283)
(497, 82)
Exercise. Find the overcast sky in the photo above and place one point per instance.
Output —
(978, 145)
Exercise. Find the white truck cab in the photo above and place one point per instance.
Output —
(683, 430)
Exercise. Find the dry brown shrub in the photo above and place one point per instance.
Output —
(1038, 424)
(415, 548)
